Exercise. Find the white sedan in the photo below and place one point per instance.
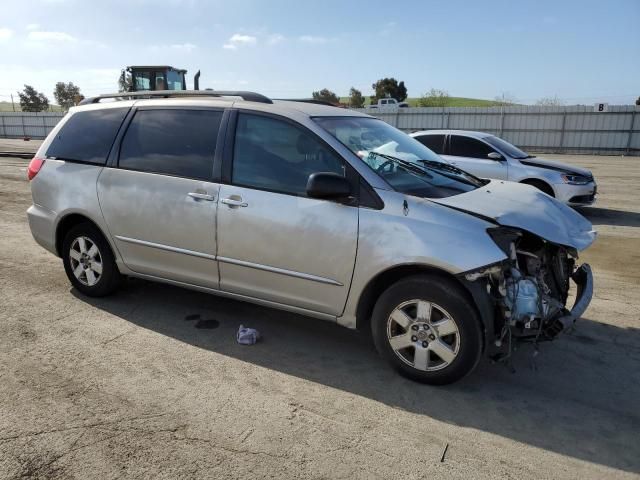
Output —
(488, 156)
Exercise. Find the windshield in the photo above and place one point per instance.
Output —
(506, 147)
(403, 162)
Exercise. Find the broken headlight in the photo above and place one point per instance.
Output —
(504, 237)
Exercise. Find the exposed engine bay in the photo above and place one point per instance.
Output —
(529, 291)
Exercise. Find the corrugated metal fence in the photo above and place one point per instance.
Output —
(577, 129)
(27, 124)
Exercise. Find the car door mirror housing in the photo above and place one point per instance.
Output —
(495, 156)
(328, 186)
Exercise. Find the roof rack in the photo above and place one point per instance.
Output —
(248, 96)
(308, 100)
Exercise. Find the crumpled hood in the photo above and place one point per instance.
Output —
(521, 206)
(552, 164)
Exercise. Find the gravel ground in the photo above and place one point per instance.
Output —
(18, 146)
(151, 384)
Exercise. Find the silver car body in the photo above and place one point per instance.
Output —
(518, 170)
(305, 255)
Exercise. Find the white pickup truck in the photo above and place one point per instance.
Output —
(389, 103)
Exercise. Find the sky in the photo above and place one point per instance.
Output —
(580, 51)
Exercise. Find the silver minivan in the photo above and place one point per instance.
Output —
(313, 209)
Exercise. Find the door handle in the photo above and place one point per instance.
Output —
(201, 196)
(234, 202)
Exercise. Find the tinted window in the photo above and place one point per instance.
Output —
(435, 143)
(506, 147)
(172, 142)
(87, 136)
(274, 155)
(469, 147)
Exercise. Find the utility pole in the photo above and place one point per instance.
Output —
(13, 104)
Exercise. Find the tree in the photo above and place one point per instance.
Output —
(638, 101)
(124, 82)
(550, 102)
(435, 98)
(389, 87)
(33, 101)
(356, 100)
(326, 95)
(66, 94)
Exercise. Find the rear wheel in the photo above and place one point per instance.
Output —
(427, 329)
(89, 262)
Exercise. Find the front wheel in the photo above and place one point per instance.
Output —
(540, 185)
(427, 329)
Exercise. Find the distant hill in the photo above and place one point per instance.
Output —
(6, 107)
(453, 102)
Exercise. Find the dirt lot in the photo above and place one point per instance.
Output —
(134, 386)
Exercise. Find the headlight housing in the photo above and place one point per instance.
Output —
(504, 237)
(573, 179)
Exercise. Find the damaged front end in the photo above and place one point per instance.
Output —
(528, 292)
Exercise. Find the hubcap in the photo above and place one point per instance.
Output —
(86, 261)
(423, 335)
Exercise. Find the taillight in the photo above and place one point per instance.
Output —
(34, 167)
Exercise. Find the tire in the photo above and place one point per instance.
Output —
(448, 345)
(540, 185)
(93, 273)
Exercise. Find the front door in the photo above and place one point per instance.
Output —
(160, 203)
(471, 155)
(275, 243)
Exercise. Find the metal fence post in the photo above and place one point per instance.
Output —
(501, 119)
(633, 121)
(4, 128)
(564, 120)
(24, 131)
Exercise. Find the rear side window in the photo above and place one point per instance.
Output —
(469, 147)
(435, 143)
(172, 142)
(87, 136)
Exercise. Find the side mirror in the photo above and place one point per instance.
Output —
(328, 186)
(495, 156)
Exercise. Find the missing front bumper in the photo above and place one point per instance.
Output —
(583, 278)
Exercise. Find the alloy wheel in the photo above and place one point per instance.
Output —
(423, 335)
(86, 261)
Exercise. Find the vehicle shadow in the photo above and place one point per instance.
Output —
(580, 401)
(608, 216)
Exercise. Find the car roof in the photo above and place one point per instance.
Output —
(282, 107)
(317, 110)
(467, 133)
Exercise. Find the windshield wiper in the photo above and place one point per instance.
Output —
(444, 168)
(404, 163)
